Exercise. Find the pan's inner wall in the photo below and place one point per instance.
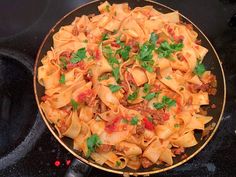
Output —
(211, 62)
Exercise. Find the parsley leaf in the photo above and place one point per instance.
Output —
(199, 69)
(147, 65)
(166, 49)
(125, 121)
(78, 56)
(166, 102)
(176, 125)
(146, 88)
(133, 96)
(107, 8)
(62, 79)
(105, 37)
(134, 120)
(158, 105)
(63, 63)
(150, 119)
(103, 77)
(153, 38)
(118, 163)
(112, 60)
(74, 104)
(93, 142)
(107, 51)
(124, 52)
(114, 88)
(149, 96)
(116, 74)
(168, 77)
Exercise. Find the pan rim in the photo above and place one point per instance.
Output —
(113, 170)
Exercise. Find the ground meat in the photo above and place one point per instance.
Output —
(145, 162)
(140, 129)
(67, 54)
(75, 31)
(178, 151)
(157, 115)
(104, 148)
(134, 45)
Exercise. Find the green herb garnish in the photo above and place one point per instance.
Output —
(166, 49)
(114, 88)
(124, 52)
(78, 56)
(105, 37)
(107, 8)
(116, 74)
(176, 125)
(74, 104)
(199, 69)
(166, 102)
(93, 142)
(103, 77)
(149, 96)
(153, 38)
(133, 96)
(63, 63)
(146, 88)
(62, 79)
(134, 120)
(168, 77)
(118, 163)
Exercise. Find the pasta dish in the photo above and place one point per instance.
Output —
(127, 86)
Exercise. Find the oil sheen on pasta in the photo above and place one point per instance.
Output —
(127, 85)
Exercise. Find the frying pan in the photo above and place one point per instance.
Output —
(211, 61)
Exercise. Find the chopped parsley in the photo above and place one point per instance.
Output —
(149, 96)
(166, 102)
(199, 69)
(107, 8)
(78, 56)
(165, 49)
(107, 51)
(133, 96)
(74, 104)
(125, 121)
(105, 37)
(150, 119)
(103, 77)
(114, 88)
(146, 88)
(116, 74)
(134, 120)
(118, 163)
(176, 125)
(153, 38)
(62, 79)
(63, 63)
(93, 142)
(168, 77)
(124, 52)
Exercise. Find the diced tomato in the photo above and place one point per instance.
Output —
(156, 87)
(44, 98)
(178, 39)
(97, 54)
(114, 44)
(112, 126)
(85, 95)
(80, 64)
(166, 116)
(66, 54)
(147, 124)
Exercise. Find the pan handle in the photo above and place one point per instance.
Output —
(78, 169)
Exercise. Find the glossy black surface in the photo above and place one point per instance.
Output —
(25, 29)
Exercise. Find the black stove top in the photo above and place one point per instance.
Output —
(27, 149)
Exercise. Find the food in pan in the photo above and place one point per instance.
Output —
(127, 86)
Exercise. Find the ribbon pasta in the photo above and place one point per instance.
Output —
(127, 85)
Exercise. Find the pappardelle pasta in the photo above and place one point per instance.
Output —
(127, 85)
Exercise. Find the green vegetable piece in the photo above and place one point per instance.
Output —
(133, 96)
(168, 101)
(176, 125)
(124, 52)
(150, 119)
(74, 104)
(116, 74)
(146, 88)
(62, 79)
(107, 8)
(199, 69)
(118, 163)
(166, 49)
(105, 37)
(158, 105)
(114, 88)
(103, 77)
(63, 63)
(134, 120)
(153, 38)
(93, 142)
(149, 96)
(168, 78)
(78, 56)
